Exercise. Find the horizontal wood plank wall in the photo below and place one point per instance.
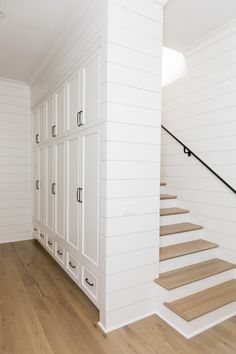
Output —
(131, 159)
(200, 109)
(15, 161)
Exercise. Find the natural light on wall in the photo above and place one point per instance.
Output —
(173, 67)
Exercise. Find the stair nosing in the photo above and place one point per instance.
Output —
(169, 196)
(197, 228)
(181, 211)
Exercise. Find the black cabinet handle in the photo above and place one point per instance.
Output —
(42, 235)
(37, 138)
(87, 281)
(60, 253)
(50, 243)
(79, 118)
(53, 188)
(37, 184)
(54, 131)
(79, 190)
(71, 265)
(35, 229)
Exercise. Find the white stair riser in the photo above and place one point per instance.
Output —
(184, 261)
(168, 203)
(182, 237)
(192, 288)
(163, 190)
(174, 219)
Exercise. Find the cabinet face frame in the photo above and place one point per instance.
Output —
(50, 198)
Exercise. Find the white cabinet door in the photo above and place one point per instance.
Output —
(91, 84)
(36, 127)
(60, 104)
(42, 120)
(51, 186)
(42, 185)
(50, 118)
(73, 204)
(36, 181)
(74, 101)
(90, 162)
(60, 199)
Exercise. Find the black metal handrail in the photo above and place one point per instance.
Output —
(191, 153)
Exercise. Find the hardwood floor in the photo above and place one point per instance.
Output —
(42, 311)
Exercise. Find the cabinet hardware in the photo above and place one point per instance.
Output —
(87, 281)
(60, 253)
(79, 190)
(37, 184)
(79, 118)
(42, 235)
(53, 188)
(35, 229)
(37, 138)
(54, 131)
(50, 243)
(71, 265)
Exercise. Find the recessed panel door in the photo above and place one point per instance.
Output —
(60, 174)
(51, 187)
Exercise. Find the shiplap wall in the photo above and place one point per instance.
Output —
(200, 109)
(15, 162)
(131, 159)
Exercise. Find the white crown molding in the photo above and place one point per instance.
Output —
(211, 38)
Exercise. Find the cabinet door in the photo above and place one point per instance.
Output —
(90, 162)
(42, 122)
(74, 100)
(42, 185)
(60, 174)
(36, 127)
(73, 217)
(51, 187)
(36, 182)
(50, 117)
(60, 110)
(91, 83)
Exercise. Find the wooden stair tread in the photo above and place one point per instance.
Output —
(172, 211)
(186, 275)
(162, 184)
(167, 196)
(203, 302)
(185, 248)
(178, 228)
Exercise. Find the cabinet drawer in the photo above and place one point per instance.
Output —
(50, 244)
(60, 253)
(90, 283)
(42, 237)
(72, 265)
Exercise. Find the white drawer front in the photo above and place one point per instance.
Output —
(60, 253)
(42, 237)
(72, 265)
(90, 283)
(50, 244)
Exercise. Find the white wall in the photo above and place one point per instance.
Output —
(200, 109)
(131, 159)
(15, 161)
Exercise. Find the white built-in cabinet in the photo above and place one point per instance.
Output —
(66, 153)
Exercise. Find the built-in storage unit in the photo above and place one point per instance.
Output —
(66, 153)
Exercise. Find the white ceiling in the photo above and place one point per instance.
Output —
(186, 21)
(29, 30)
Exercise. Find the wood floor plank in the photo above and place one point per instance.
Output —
(172, 211)
(183, 249)
(203, 302)
(172, 229)
(186, 275)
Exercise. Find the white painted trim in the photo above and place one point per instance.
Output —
(10, 82)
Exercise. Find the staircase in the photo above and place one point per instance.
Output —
(196, 289)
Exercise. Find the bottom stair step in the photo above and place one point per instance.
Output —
(203, 302)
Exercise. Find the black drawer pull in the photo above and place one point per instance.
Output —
(53, 188)
(60, 253)
(54, 131)
(37, 184)
(37, 138)
(35, 229)
(42, 235)
(79, 190)
(50, 243)
(87, 281)
(79, 118)
(71, 265)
